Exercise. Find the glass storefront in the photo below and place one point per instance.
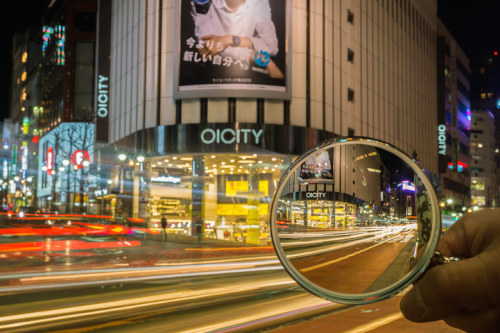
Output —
(227, 195)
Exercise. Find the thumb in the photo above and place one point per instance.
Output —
(448, 289)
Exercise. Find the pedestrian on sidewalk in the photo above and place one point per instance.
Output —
(164, 227)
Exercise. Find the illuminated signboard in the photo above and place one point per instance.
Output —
(57, 33)
(442, 139)
(50, 160)
(166, 179)
(406, 185)
(252, 62)
(460, 166)
(102, 96)
(240, 209)
(26, 125)
(233, 188)
(229, 136)
(80, 158)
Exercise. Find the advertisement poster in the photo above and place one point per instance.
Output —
(318, 166)
(233, 48)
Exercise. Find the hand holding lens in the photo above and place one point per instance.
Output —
(355, 220)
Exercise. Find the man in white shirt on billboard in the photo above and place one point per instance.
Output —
(318, 166)
(236, 28)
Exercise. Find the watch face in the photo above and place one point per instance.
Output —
(236, 41)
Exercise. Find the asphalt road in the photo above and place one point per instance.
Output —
(382, 317)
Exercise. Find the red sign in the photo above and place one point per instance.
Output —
(50, 160)
(79, 157)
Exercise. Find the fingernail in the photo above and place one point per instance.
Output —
(413, 306)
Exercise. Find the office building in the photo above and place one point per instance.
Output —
(486, 96)
(65, 108)
(483, 167)
(454, 114)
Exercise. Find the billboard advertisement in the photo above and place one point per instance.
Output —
(318, 167)
(232, 48)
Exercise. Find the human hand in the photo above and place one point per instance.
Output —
(213, 44)
(466, 293)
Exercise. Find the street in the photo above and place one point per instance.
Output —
(382, 317)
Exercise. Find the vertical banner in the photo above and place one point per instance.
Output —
(102, 70)
(441, 111)
(233, 48)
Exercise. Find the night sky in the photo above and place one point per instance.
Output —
(472, 23)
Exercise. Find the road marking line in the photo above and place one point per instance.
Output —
(376, 324)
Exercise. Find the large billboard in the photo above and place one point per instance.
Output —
(318, 167)
(233, 48)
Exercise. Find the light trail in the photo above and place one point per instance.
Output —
(135, 303)
(110, 276)
(311, 268)
(335, 247)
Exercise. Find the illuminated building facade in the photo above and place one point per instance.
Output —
(454, 115)
(483, 167)
(66, 155)
(226, 122)
(65, 81)
(486, 96)
(18, 139)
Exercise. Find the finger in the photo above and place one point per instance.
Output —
(484, 321)
(448, 289)
(471, 234)
(203, 51)
(454, 241)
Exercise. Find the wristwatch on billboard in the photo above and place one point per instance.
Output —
(236, 41)
(202, 6)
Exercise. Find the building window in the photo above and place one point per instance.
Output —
(350, 55)
(482, 70)
(483, 95)
(350, 16)
(447, 73)
(350, 95)
(490, 95)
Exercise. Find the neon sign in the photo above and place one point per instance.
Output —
(80, 158)
(166, 179)
(442, 139)
(58, 34)
(406, 185)
(229, 136)
(102, 97)
(50, 160)
(460, 166)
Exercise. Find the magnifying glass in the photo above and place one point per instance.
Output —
(355, 220)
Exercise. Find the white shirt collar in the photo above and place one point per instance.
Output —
(221, 4)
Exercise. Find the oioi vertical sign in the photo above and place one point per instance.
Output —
(101, 104)
(441, 145)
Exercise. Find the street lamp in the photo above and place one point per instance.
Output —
(122, 157)
(140, 158)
